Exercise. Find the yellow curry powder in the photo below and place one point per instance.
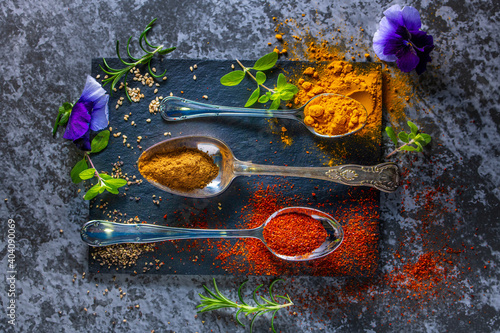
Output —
(183, 169)
(334, 115)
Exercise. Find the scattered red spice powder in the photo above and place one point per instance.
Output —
(294, 234)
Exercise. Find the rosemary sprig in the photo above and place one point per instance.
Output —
(114, 75)
(218, 301)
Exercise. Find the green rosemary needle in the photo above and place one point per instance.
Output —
(114, 74)
(218, 301)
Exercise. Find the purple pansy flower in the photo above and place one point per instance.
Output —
(89, 113)
(399, 39)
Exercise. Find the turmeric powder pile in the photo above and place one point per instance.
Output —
(334, 114)
(183, 169)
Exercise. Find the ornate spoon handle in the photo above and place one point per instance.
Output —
(384, 177)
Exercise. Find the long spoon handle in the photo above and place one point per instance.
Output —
(175, 109)
(103, 233)
(384, 177)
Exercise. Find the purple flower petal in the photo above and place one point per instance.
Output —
(92, 91)
(411, 18)
(407, 59)
(380, 39)
(83, 143)
(78, 122)
(394, 16)
(421, 39)
(424, 59)
(394, 44)
(100, 114)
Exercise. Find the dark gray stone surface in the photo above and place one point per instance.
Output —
(47, 48)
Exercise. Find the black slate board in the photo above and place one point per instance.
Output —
(252, 139)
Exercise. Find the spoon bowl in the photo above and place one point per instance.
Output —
(176, 109)
(384, 177)
(104, 233)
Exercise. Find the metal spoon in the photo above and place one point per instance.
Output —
(175, 109)
(103, 233)
(384, 177)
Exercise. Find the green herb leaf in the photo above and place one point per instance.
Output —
(112, 190)
(408, 148)
(291, 87)
(92, 192)
(419, 146)
(64, 118)
(105, 176)
(403, 137)
(253, 98)
(264, 99)
(425, 137)
(286, 95)
(87, 174)
(390, 132)
(75, 172)
(275, 104)
(116, 182)
(281, 82)
(413, 127)
(260, 77)
(266, 62)
(233, 78)
(100, 141)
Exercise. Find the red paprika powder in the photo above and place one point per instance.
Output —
(294, 234)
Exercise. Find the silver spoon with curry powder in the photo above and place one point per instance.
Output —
(174, 108)
(103, 233)
(384, 177)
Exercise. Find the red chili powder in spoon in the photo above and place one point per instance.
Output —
(294, 234)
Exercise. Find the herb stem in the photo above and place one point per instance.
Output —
(93, 167)
(397, 150)
(253, 77)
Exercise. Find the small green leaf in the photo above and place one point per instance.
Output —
(281, 82)
(408, 148)
(286, 95)
(275, 104)
(100, 141)
(419, 146)
(232, 79)
(112, 190)
(253, 97)
(414, 128)
(274, 96)
(266, 62)
(87, 174)
(260, 77)
(264, 99)
(411, 136)
(390, 132)
(64, 118)
(105, 176)
(425, 137)
(403, 137)
(115, 182)
(79, 167)
(92, 192)
(291, 87)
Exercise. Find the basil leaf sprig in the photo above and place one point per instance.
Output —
(282, 91)
(218, 301)
(414, 137)
(81, 171)
(114, 75)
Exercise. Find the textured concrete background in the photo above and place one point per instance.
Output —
(46, 50)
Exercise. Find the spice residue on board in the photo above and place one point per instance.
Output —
(294, 234)
(183, 169)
